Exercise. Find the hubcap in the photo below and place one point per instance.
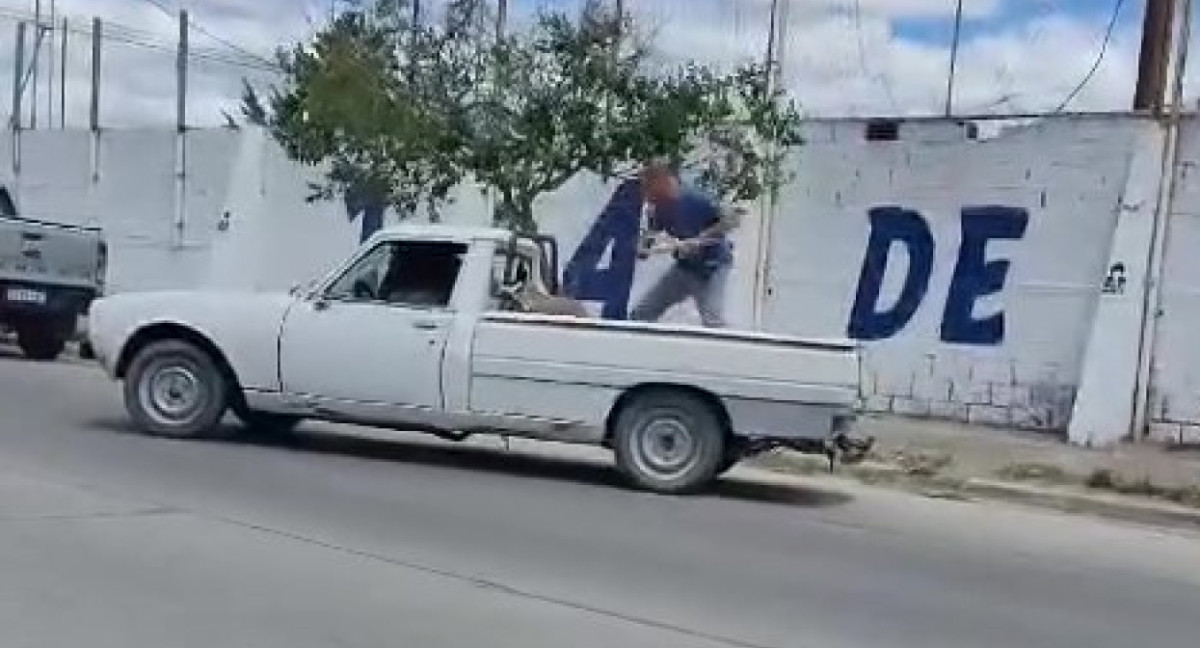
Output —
(666, 447)
(172, 392)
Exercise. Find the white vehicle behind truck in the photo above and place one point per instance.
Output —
(422, 330)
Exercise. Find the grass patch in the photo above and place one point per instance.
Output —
(920, 463)
(1108, 480)
(1036, 472)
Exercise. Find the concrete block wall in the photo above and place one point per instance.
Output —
(1006, 240)
(1003, 243)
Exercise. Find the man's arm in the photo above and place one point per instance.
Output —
(728, 218)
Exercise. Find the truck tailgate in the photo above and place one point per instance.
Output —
(47, 253)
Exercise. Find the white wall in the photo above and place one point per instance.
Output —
(125, 181)
(1175, 393)
(246, 223)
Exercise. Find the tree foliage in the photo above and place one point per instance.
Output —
(406, 110)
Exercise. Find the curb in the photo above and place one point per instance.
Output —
(1110, 506)
(1113, 506)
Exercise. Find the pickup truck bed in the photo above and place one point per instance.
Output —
(576, 370)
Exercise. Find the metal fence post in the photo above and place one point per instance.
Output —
(18, 82)
(94, 104)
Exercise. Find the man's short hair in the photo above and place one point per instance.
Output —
(658, 168)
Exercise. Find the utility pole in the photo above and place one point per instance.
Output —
(94, 100)
(62, 82)
(181, 73)
(50, 65)
(37, 50)
(18, 78)
(954, 40)
(1155, 56)
(772, 36)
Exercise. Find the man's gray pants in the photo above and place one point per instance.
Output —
(676, 285)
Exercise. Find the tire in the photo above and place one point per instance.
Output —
(730, 460)
(669, 442)
(175, 389)
(41, 343)
(269, 425)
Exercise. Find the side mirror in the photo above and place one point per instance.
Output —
(302, 289)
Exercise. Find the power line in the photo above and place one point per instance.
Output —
(125, 34)
(1104, 43)
(158, 4)
(954, 42)
(862, 58)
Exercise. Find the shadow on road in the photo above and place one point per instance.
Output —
(514, 463)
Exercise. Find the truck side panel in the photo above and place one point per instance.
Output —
(576, 373)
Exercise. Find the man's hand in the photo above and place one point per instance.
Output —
(656, 243)
(689, 247)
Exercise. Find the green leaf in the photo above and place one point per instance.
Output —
(408, 111)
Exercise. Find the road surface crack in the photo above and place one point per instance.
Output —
(486, 583)
(103, 515)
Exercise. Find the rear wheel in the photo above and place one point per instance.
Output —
(41, 341)
(176, 389)
(669, 442)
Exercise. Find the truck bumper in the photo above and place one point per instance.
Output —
(844, 445)
(57, 302)
(841, 444)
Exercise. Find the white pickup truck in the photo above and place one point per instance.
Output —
(422, 329)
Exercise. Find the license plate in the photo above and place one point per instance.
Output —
(25, 296)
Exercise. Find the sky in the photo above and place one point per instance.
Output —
(840, 57)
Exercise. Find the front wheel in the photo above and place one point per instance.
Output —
(175, 389)
(669, 442)
(268, 425)
(729, 461)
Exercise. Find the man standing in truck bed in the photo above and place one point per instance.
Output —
(703, 253)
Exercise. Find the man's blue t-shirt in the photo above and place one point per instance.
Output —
(686, 217)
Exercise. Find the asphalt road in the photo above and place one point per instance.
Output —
(113, 540)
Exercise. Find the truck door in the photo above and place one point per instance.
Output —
(376, 334)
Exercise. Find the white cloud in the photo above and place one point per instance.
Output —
(840, 63)
(836, 62)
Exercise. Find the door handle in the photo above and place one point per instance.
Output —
(426, 325)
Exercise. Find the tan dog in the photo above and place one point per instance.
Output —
(534, 301)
